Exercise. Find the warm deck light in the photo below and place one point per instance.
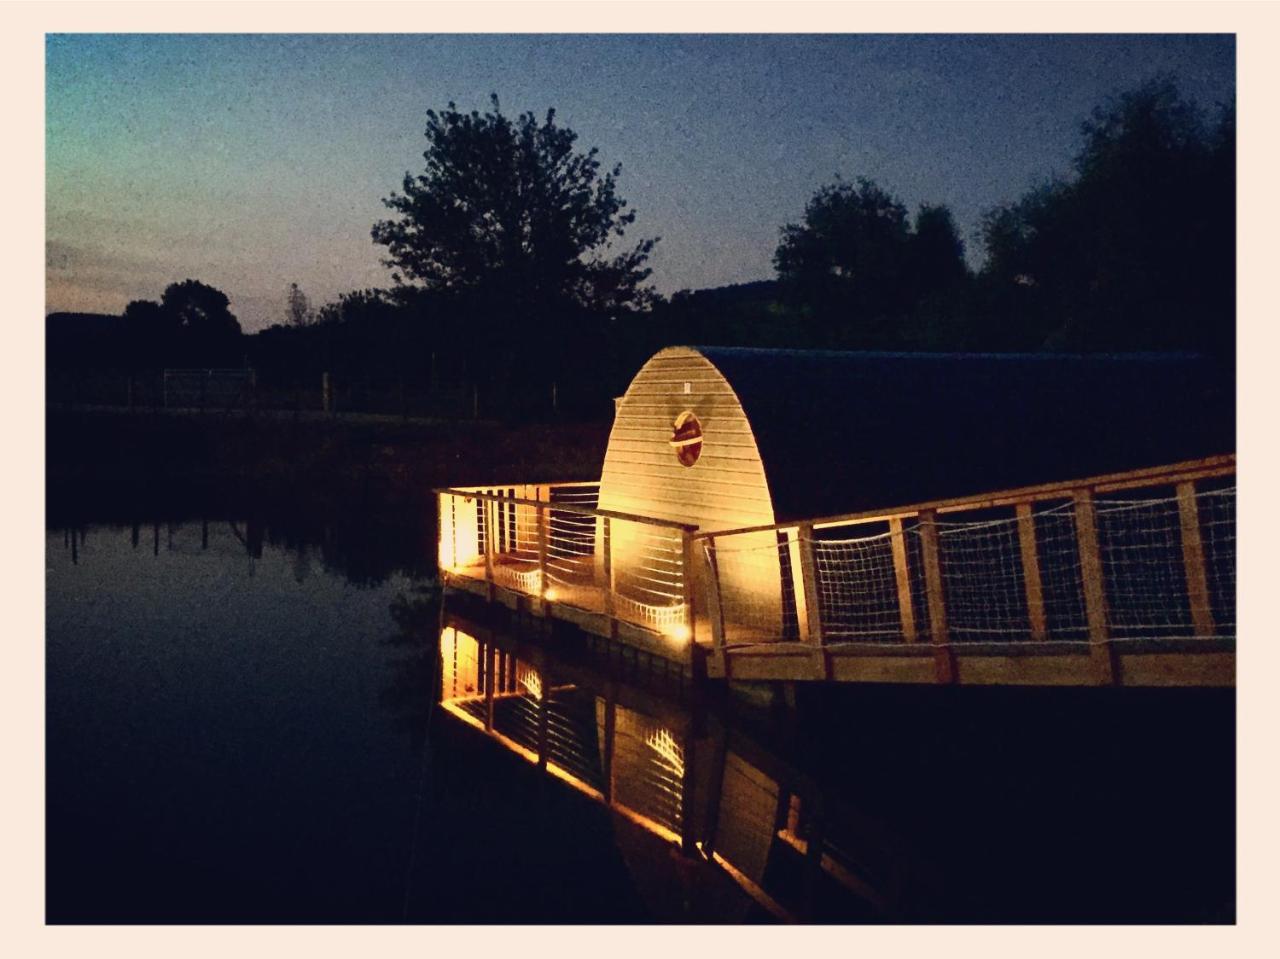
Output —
(550, 594)
(680, 632)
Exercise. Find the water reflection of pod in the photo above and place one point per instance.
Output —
(716, 800)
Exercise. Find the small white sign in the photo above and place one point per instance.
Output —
(688, 388)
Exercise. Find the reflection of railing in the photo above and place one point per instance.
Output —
(551, 542)
(1148, 554)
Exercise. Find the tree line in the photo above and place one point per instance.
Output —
(513, 267)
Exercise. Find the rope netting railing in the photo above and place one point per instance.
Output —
(554, 543)
(1009, 573)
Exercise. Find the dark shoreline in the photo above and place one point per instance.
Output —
(102, 465)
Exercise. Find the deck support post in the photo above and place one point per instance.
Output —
(1193, 561)
(1095, 596)
(812, 624)
(939, 633)
(902, 575)
(1031, 572)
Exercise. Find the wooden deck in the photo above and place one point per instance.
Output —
(1126, 580)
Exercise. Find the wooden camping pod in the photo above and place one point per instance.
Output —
(727, 438)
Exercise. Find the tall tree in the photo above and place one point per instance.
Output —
(512, 207)
(298, 307)
(522, 236)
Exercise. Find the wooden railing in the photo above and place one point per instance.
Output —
(1089, 560)
(552, 543)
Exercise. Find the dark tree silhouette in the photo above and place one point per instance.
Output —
(511, 206)
(858, 271)
(200, 309)
(1136, 250)
(298, 307)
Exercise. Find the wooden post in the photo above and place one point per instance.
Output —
(902, 574)
(1031, 572)
(715, 607)
(490, 658)
(542, 558)
(809, 583)
(610, 735)
(1193, 561)
(326, 393)
(939, 634)
(607, 577)
(487, 510)
(1095, 595)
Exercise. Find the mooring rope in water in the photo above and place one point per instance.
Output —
(422, 772)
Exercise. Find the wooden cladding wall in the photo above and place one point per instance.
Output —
(724, 489)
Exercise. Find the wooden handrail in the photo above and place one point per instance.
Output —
(1172, 474)
(568, 508)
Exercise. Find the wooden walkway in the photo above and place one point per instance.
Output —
(1125, 579)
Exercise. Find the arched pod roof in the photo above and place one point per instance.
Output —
(841, 432)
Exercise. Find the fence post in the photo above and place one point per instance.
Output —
(902, 575)
(809, 583)
(326, 393)
(606, 563)
(487, 510)
(1095, 595)
(1031, 572)
(1193, 560)
(541, 512)
(939, 634)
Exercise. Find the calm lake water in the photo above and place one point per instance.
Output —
(242, 726)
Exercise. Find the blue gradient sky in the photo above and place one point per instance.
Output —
(251, 162)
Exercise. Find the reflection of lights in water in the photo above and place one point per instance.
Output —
(532, 682)
(665, 745)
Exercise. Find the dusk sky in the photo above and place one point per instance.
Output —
(250, 162)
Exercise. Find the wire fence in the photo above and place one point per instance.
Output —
(550, 541)
(1009, 574)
